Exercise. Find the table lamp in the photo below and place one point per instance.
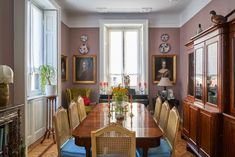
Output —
(164, 82)
(6, 77)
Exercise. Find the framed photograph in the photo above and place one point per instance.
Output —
(164, 66)
(84, 69)
(64, 68)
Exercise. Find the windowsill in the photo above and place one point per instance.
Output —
(35, 97)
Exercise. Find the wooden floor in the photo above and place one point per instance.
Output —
(49, 149)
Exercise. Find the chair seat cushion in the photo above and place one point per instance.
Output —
(69, 149)
(163, 150)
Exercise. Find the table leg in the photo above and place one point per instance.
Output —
(88, 151)
(145, 152)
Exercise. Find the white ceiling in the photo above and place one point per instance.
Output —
(123, 6)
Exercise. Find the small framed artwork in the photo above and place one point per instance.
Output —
(84, 69)
(164, 66)
(64, 68)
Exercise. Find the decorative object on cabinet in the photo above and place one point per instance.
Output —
(84, 48)
(64, 68)
(6, 77)
(207, 90)
(165, 37)
(84, 69)
(48, 74)
(220, 19)
(164, 47)
(164, 66)
(164, 82)
(199, 29)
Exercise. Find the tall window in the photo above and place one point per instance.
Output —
(35, 49)
(123, 54)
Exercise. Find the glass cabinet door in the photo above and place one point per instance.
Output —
(198, 73)
(191, 74)
(212, 73)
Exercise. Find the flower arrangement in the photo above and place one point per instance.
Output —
(119, 93)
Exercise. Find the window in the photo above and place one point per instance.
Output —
(123, 55)
(35, 49)
(124, 51)
(42, 44)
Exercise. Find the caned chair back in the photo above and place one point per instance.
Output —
(73, 115)
(62, 131)
(172, 127)
(158, 106)
(114, 141)
(164, 116)
(81, 109)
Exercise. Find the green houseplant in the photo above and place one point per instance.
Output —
(47, 73)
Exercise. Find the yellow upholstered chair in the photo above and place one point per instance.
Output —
(113, 141)
(165, 109)
(65, 143)
(73, 115)
(81, 108)
(73, 93)
(158, 106)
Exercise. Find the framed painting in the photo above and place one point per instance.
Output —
(64, 68)
(84, 69)
(164, 66)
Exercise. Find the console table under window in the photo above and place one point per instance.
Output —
(143, 99)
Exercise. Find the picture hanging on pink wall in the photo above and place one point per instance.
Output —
(84, 69)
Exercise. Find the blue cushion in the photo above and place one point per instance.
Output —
(164, 150)
(70, 149)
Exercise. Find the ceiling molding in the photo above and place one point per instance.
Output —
(170, 20)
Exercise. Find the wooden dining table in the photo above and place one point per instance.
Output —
(137, 118)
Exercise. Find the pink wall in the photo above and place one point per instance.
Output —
(154, 42)
(6, 37)
(189, 29)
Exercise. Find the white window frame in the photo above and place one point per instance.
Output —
(105, 25)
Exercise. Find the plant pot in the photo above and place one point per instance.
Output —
(50, 90)
(4, 94)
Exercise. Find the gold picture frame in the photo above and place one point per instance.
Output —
(64, 68)
(164, 65)
(84, 69)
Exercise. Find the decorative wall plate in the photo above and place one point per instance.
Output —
(164, 37)
(83, 49)
(164, 47)
(84, 38)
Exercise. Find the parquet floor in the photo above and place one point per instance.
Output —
(49, 149)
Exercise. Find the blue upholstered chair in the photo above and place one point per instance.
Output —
(65, 143)
(167, 144)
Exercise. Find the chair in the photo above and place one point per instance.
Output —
(113, 141)
(164, 116)
(73, 93)
(81, 109)
(167, 144)
(73, 115)
(158, 106)
(65, 143)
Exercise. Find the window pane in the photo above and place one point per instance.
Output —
(133, 80)
(131, 52)
(115, 52)
(115, 80)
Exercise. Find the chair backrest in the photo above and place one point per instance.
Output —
(172, 127)
(164, 116)
(81, 109)
(113, 140)
(73, 115)
(158, 107)
(62, 131)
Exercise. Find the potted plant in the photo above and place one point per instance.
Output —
(47, 73)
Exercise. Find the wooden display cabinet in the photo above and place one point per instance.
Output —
(207, 85)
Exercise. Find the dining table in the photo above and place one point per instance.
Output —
(136, 118)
